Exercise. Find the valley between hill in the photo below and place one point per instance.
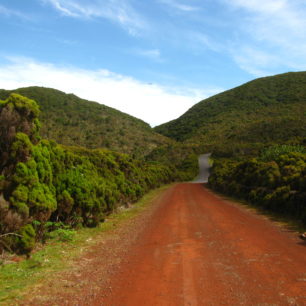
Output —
(191, 245)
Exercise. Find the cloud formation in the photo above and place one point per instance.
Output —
(153, 54)
(261, 36)
(178, 5)
(117, 11)
(276, 32)
(9, 12)
(152, 103)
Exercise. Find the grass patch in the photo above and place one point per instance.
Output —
(58, 253)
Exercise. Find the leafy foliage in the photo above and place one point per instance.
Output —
(274, 152)
(278, 185)
(26, 241)
(62, 234)
(181, 158)
(43, 182)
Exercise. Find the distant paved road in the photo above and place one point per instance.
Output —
(204, 169)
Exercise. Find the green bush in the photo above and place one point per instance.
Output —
(26, 240)
(277, 185)
(274, 152)
(62, 234)
(47, 187)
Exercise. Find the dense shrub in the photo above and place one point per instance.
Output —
(278, 185)
(274, 152)
(43, 182)
(26, 239)
(181, 158)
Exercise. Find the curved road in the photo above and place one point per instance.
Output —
(204, 168)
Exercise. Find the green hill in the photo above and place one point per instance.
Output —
(70, 120)
(46, 186)
(265, 111)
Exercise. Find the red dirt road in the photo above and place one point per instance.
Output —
(198, 249)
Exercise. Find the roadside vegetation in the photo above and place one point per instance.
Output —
(275, 181)
(59, 253)
(46, 187)
(182, 157)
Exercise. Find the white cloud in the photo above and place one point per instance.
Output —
(153, 103)
(276, 27)
(203, 41)
(179, 6)
(277, 21)
(153, 54)
(118, 11)
(9, 13)
(264, 6)
(64, 10)
(255, 61)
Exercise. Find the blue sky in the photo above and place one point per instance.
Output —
(153, 59)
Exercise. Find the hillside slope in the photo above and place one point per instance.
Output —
(264, 111)
(70, 120)
(44, 184)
